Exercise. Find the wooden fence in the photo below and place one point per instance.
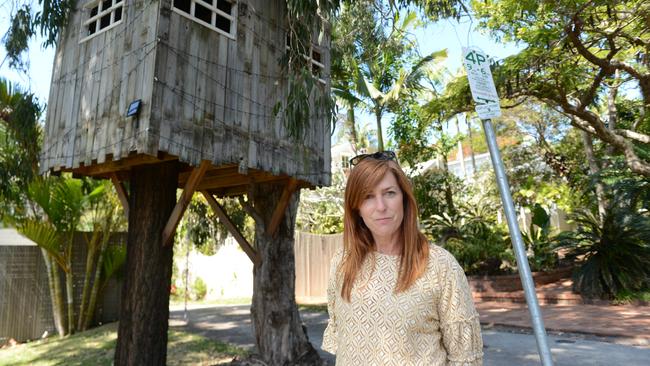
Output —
(25, 303)
(314, 252)
(313, 255)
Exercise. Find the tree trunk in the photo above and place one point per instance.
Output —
(92, 302)
(69, 283)
(55, 293)
(186, 273)
(595, 169)
(91, 255)
(461, 153)
(612, 114)
(69, 290)
(380, 133)
(449, 195)
(471, 144)
(351, 125)
(144, 310)
(56, 275)
(279, 335)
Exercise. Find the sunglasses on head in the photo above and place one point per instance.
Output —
(379, 155)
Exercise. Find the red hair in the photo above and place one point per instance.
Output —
(357, 238)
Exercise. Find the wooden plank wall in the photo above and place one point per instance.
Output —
(215, 95)
(205, 95)
(313, 256)
(93, 82)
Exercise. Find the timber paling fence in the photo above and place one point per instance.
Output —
(25, 303)
(313, 253)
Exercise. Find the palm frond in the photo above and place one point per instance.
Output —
(46, 237)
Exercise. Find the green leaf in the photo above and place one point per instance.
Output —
(540, 217)
(45, 236)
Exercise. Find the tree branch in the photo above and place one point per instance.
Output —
(619, 142)
(251, 210)
(588, 97)
(633, 135)
(573, 32)
(591, 123)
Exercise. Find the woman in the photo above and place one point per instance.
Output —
(393, 298)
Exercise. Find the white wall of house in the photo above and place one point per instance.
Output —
(228, 273)
(12, 237)
(342, 152)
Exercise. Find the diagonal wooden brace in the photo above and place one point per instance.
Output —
(278, 213)
(121, 193)
(225, 220)
(176, 215)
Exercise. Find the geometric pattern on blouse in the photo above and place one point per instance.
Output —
(432, 323)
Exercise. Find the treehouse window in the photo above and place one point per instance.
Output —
(103, 15)
(315, 59)
(217, 15)
(317, 66)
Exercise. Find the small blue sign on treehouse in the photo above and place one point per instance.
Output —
(134, 108)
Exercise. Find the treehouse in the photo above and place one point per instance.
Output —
(174, 94)
(197, 81)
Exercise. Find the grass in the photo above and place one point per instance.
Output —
(96, 347)
(175, 302)
(626, 297)
(313, 307)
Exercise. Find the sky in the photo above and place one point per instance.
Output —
(449, 34)
(38, 79)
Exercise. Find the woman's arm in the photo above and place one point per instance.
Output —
(459, 321)
(330, 337)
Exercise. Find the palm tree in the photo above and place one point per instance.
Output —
(374, 68)
(406, 84)
(59, 204)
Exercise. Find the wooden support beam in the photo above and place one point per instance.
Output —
(190, 187)
(125, 163)
(121, 193)
(225, 220)
(280, 209)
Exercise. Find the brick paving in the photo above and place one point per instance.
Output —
(564, 311)
(626, 321)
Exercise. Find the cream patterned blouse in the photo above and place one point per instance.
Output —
(433, 323)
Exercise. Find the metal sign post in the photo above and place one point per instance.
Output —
(485, 96)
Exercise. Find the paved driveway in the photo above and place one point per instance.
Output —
(232, 324)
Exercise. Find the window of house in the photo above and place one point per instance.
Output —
(345, 161)
(218, 15)
(102, 16)
(317, 66)
(315, 58)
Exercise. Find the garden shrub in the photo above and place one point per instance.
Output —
(613, 254)
(480, 245)
(200, 289)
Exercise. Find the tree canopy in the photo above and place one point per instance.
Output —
(577, 56)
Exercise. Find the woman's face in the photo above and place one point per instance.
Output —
(382, 210)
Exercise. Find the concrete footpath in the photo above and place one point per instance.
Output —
(500, 301)
(511, 344)
(622, 324)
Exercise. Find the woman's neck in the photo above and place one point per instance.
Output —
(390, 245)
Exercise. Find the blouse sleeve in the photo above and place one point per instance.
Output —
(330, 337)
(459, 321)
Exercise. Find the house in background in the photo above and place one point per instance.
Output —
(463, 169)
(341, 154)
